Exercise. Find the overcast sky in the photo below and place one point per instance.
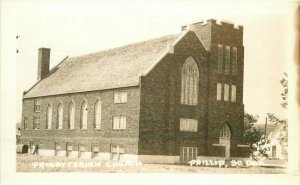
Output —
(77, 27)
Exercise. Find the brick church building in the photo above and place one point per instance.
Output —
(165, 100)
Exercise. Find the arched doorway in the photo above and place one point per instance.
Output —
(224, 138)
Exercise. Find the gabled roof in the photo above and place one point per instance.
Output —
(113, 68)
(271, 128)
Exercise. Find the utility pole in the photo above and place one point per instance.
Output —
(266, 127)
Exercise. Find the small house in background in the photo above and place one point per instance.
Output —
(273, 132)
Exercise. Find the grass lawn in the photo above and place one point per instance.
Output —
(30, 163)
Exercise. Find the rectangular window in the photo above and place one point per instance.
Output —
(220, 58)
(234, 60)
(37, 105)
(227, 60)
(69, 149)
(95, 151)
(119, 122)
(36, 122)
(120, 97)
(57, 148)
(25, 122)
(226, 92)
(219, 91)
(117, 152)
(187, 154)
(81, 150)
(233, 93)
(189, 125)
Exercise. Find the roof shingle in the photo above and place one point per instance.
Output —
(113, 68)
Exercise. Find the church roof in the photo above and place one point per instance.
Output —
(113, 68)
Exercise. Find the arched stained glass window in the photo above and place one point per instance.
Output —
(225, 131)
(97, 124)
(60, 116)
(189, 82)
(84, 114)
(49, 117)
(71, 116)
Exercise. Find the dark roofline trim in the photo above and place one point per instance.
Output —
(80, 92)
(46, 75)
(169, 50)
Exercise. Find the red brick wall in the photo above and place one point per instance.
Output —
(105, 136)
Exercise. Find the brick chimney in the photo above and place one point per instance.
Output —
(43, 63)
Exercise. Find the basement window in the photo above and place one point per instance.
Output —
(69, 149)
(117, 152)
(57, 148)
(95, 151)
(81, 150)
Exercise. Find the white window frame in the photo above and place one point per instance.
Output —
(60, 116)
(26, 122)
(219, 91)
(84, 115)
(98, 114)
(49, 117)
(71, 121)
(189, 82)
(120, 97)
(226, 92)
(119, 122)
(220, 59)
(188, 125)
(233, 93)
(234, 61)
(37, 105)
(117, 150)
(36, 123)
(227, 60)
(95, 148)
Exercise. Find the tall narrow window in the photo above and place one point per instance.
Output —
(49, 117)
(37, 105)
(227, 60)
(97, 124)
(226, 92)
(60, 116)
(71, 116)
(234, 61)
(220, 58)
(225, 131)
(219, 91)
(36, 123)
(25, 122)
(189, 82)
(233, 93)
(84, 113)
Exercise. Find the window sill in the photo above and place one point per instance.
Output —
(120, 129)
(188, 131)
(97, 129)
(48, 129)
(36, 129)
(120, 102)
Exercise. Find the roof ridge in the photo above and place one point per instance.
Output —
(158, 39)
